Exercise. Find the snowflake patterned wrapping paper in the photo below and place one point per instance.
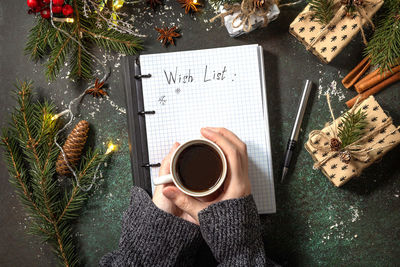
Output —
(381, 140)
(335, 37)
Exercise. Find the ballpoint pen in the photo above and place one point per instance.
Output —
(296, 127)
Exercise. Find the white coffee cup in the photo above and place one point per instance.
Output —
(173, 176)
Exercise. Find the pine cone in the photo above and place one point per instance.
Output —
(73, 147)
(335, 144)
(345, 156)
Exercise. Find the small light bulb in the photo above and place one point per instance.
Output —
(55, 117)
(59, 114)
(69, 20)
(111, 147)
(118, 4)
(195, 1)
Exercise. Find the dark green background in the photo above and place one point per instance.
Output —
(315, 224)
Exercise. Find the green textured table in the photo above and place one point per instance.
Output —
(315, 224)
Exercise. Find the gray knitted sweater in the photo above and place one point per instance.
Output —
(152, 237)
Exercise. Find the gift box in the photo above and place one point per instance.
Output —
(236, 26)
(378, 137)
(327, 41)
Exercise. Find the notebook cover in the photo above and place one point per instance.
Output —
(136, 123)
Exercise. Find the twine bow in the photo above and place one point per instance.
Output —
(356, 150)
(246, 9)
(342, 10)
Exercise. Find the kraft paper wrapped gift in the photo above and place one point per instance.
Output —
(236, 27)
(327, 41)
(379, 137)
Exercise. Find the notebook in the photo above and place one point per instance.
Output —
(181, 92)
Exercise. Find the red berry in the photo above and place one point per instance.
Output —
(45, 13)
(58, 2)
(32, 3)
(37, 9)
(67, 10)
(46, 1)
(57, 9)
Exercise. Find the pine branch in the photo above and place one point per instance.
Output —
(112, 40)
(57, 56)
(74, 200)
(352, 127)
(384, 46)
(14, 159)
(38, 39)
(31, 154)
(45, 40)
(81, 63)
(323, 10)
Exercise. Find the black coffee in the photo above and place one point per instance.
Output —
(199, 167)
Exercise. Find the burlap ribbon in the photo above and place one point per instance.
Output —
(246, 9)
(341, 11)
(357, 150)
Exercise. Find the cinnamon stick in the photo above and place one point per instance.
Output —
(356, 73)
(369, 82)
(392, 79)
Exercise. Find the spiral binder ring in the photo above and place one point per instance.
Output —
(151, 165)
(143, 76)
(146, 112)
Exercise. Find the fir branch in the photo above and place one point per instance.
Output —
(113, 40)
(45, 40)
(353, 124)
(323, 10)
(57, 56)
(74, 200)
(384, 46)
(81, 63)
(37, 39)
(15, 167)
(31, 154)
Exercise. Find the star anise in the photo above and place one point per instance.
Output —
(167, 35)
(154, 3)
(96, 91)
(189, 5)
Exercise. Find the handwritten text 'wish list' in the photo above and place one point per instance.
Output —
(208, 74)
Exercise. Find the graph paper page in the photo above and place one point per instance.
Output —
(219, 87)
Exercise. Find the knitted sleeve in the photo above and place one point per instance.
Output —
(232, 230)
(152, 237)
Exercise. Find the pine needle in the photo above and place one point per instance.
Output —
(352, 126)
(384, 46)
(323, 10)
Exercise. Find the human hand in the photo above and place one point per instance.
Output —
(160, 200)
(236, 185)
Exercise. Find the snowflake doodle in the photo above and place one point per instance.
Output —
(162, 100)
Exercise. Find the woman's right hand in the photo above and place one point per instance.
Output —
(237, 183)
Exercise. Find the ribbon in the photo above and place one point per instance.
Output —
(342, 10)
(246, 9)
(356, 149)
